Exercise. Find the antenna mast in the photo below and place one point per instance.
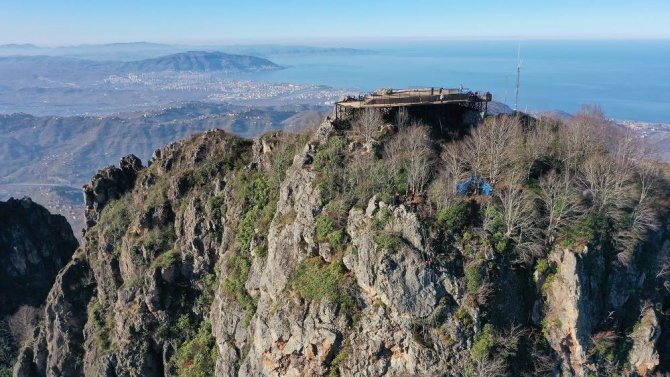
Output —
(518, 77)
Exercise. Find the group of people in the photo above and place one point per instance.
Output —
(412, 200)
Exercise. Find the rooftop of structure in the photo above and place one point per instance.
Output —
(408, 97)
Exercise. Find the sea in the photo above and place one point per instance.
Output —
(629, 79)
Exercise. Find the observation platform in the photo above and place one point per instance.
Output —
(397, 98)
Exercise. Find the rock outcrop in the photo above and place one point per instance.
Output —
(34, 247)
(108, 185)
(232, 257)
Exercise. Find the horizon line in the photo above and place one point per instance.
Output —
(325, 40)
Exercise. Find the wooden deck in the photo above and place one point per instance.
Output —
(410, 97)
(391, 98)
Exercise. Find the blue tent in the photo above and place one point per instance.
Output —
(463, 187)
(485, 187)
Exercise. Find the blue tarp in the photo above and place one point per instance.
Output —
(485, 187)
(463, 187)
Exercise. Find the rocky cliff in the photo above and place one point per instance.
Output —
(329, 254)
(34, 246)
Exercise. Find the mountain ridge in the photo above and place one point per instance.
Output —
(197, 61)
(337, 252)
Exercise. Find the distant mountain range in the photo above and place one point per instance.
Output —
(197, 61)
(144, 50)
(200, 61)
(49, 158)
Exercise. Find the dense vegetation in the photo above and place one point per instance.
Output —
(196, 226)
(555, 184)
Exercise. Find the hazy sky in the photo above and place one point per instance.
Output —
(63, 22)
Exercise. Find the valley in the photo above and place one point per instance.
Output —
(49, 158)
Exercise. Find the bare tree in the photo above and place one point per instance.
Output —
(519, 219)
(582, 136)
(367, 176)
(480, 367)
(489, 149)
(648, 177)
(664, 266)
(560, 201)
(419, 157)
(402, 118)
(606, 182)
(643, 219)
(517, 210)
(543, 364)
(411, 150)
(537, 145)
(22, 323)
(395, 152)
(369, 123)
(442, 190)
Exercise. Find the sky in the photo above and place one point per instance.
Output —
(71, 22)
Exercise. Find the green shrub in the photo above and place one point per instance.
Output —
(6, 370)
(548, 325)
(326, 231)
(202, 176)
(216, 206)
(484, 342)
(184, 326)
(381, 219)
(473, 278)
(388, 241)
(8, 350)
(500, 241)
(246, 228)
(495, 221)
(196, 357)
(158, 193)
(583, 231)
(329, 166)
(316, 280)
(166, 259)
(341, 355)
(282, 157)
(463, 316)
(549, 271)
(103, 324)
(457, 216)
(238, 273)
(603, 348)
(208, 283)
(258, 198)
(160, 239)
(115, 219)
(400, 183)
(542, 266)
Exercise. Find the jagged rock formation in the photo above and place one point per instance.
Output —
(231, 257)
(34, 246)
(108, 185)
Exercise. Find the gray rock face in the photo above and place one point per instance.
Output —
(203, 250)
(644, 356)
(572, 306)
(34, 246)
(401, 278)
(109, 184)
(289, 244)
(61, 340)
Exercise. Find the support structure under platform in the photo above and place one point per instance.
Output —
(387, 99)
